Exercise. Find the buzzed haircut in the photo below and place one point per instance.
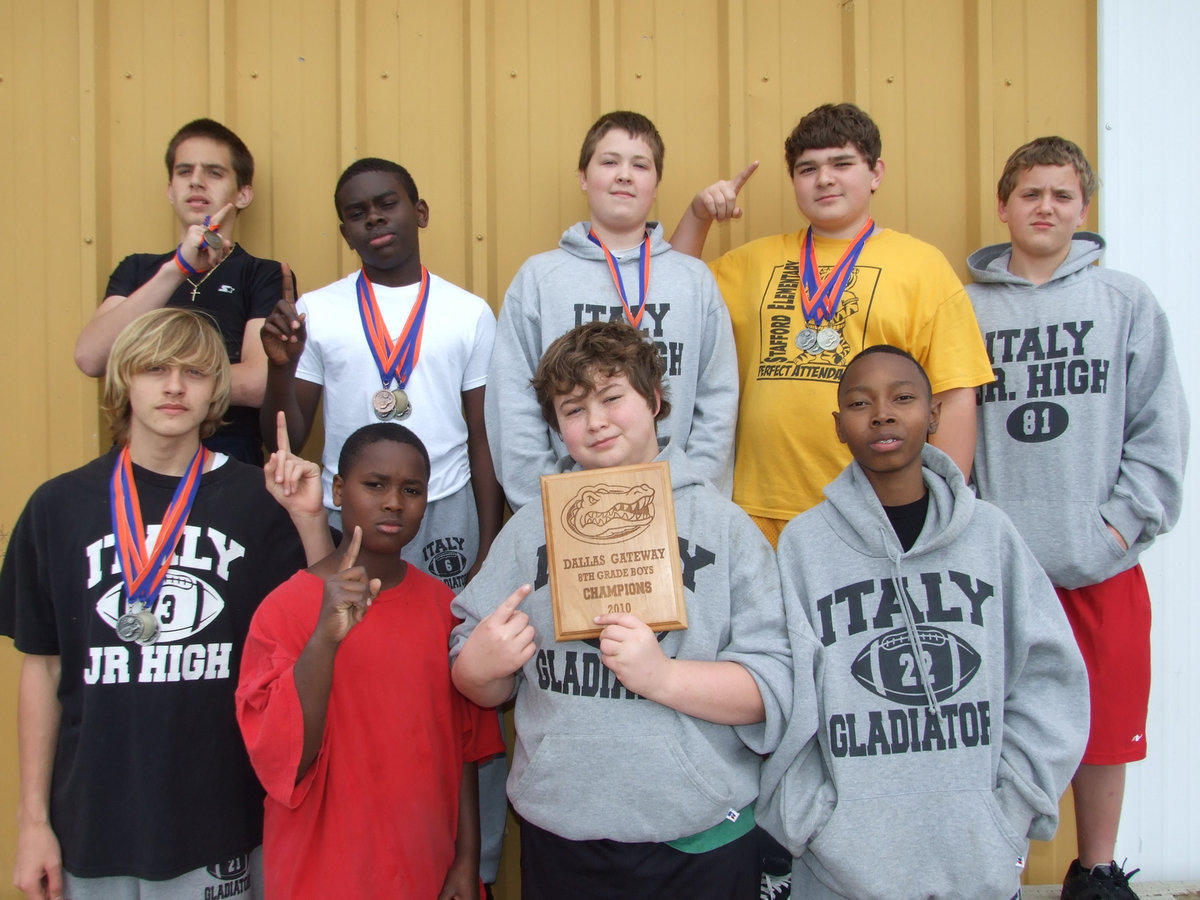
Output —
(1047, 151)
(635, 124)
(364, 437)
(375, 164)
(607, 349)
(894, 351)
(834, 125)
(165, 337)
(243, 162)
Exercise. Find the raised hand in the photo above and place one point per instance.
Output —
(195, 249)
(348, 594)
(283, 333)
(293, 481)
(718, 201)
(503, 641)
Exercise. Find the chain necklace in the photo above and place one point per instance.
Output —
(196, 284)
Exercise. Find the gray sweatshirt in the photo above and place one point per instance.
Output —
(930, 771)
(594, 760)
(1086, 424)
(685, 317)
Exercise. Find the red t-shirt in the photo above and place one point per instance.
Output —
(377, 813)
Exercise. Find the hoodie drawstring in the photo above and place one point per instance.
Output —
(910, 627)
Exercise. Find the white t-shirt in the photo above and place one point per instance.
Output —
(456, 346)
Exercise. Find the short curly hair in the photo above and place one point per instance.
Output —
(607, 349)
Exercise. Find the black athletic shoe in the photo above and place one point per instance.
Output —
(775, 887)
(1098, 884)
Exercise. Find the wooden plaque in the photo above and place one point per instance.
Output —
(612, 547)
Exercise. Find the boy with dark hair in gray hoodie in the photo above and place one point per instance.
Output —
(1082, 441)
(951, 698)
(637, 756)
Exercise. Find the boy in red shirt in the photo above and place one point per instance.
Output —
(367, 752)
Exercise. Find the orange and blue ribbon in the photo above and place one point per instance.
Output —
(820, 298)
(394, 360)
(634, 317)
(143, 573)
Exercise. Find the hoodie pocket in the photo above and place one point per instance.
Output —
(1071, 540)
(632, 788)
(935, 844)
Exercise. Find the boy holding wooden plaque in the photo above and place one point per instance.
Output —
(637, 755)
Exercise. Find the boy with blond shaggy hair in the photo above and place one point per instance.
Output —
(129, 585)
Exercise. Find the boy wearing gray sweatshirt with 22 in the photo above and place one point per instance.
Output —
(952, 700)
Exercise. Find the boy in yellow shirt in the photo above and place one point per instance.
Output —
(804, 303)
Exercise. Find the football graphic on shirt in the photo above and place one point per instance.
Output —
(888, 666)
(185, 606)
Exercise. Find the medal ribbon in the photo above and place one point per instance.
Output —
(820, 298)
(143, 575)
(395, 360)
(635, 318)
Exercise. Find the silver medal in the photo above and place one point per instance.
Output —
(806, 340)
(212, 239)
(828, 338)
(138, 624)
(384, 404)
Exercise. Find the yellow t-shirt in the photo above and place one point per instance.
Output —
(902, 292)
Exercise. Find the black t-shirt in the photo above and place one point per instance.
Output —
(241, 288)
(151, 777)
(908, 520)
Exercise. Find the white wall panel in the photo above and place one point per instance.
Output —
(1149, 133)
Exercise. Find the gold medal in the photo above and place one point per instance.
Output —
(403, 407)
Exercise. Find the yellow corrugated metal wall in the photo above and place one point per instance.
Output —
(486, 103)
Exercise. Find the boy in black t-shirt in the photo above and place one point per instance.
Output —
(210, 180)
(129, 585)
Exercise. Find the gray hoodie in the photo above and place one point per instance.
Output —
(1086, 424)
(593, 760)
(686, 318)
(930, 771)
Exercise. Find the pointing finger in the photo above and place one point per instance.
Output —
(506, 609)
(350, 557)
(220, 214)
(289, 290)
(743, 176)
(281, 433)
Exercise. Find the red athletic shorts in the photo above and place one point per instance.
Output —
(1111, 621)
